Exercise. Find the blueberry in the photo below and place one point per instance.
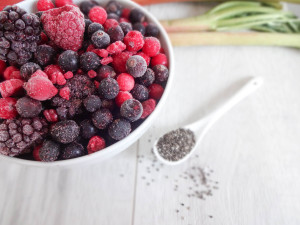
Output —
(148, 78)
(136, 66)
(89, 61)
(105, 72)
(114, 7)
(65, 131)
(86, 6)
(87, 23)
(132, 110)
(28, 107)
(116, 34)
(72, 150)
(93, 27)
(139, 27)
(152, 30)
(109, 88)
(161, 73)
(126, 27)
(44, 55)
(92, 103)
(113, 16)
(102, 118)
(140, 92)
(136, 16)
(68, 61)
(49, 151)
(100, 39)
(28, 69)
(119, 129)
(88, 130)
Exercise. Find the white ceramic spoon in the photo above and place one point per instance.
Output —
(201, 126)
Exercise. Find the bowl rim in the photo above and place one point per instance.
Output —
(111, 150)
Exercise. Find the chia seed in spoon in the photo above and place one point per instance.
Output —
(176, 144)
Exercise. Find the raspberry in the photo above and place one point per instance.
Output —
(92, 74)
(134, 41)
(51, 115)
(28, 107)
(105, 72)
(65, 93)
(64, 26)
(53, 78)
(40, 88)
(11, 87)
(125, 13)
(8, 108)
(131, 109)
(110, 23)
(52, 69)
(155, 91)
(122, 97)
(95, 144)
(119, 61)
(60, 79)
(125, 81)
(2, 67)
(103, 53)
(44, 5)
(90, 48)
(151, 46)
(60, 3)
(148, 107)
(96, 83)
(98, 14)
(160, 59)
(116, 47)
(39, 73)
(9, 73)
(146, 57)
(106, 61)
(68, 75)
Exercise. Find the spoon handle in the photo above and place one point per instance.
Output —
(245, 91)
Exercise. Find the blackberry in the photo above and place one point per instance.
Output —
(49, 151)
(20, 33)
(113, 16)
(87, 128)
(140, 92)
(148, 78)
(105, 72)
(100, 39)
(86, 6)
(109, 88)
(80, 86)
(72, 150)
(68, 61)
(161, 73)
(28, 107)
(152, 30)
(93, 27)
(116, 34)
(28, 69)
(136, 16)
(18, 136)
(67, 109)
(114, 7)
(102, 118)
(89, 61)
(126, 27)
(139, 27)
(119, 129)
(65, 131)
(132, 110)
(136, 66)
(92, 103)
(44, 55)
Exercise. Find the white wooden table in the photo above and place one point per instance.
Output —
(254, 152)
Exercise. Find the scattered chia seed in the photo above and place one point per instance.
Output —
(176, 144)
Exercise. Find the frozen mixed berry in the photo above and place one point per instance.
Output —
(146, 57)
(113, 16)
(161, 73)
(94, 27)
(67, 109)
(119, 61)
(12, 87)
(65, 131)
(139, 27)
(92, 103)
(125, 82)
(51, 115)
(105, 72)
(44, 5)
(60, 3)
(100, 39)
(52, 69)
(136, 66)
(109, 88)
(102, 118)
(8, 108)
(160, 59)
(95, 144)
(108, 104)
(122, 97)
(134, 40)
(115, 33)
(116, 47)
(119, 129)
(28, 107)
(114, 7)
(155, 91)
(87, 128)
(136, 16)
(65, 93)
(151, 46)
(126, 27)
(8, 73)
(87, 23)
(68, 61)
(48, 152)
(44, 55)
(103, 53)
(98, 14)
(152, 30)
(81, 86)
(148, 107)
(106, 61)
(131, 109)
(110, 23)
(89, 61)
(86, 6)
(148, 78)
(71, 151)
(140, 92)
(28, 69)
(3, 66)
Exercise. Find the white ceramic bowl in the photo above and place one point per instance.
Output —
(30, 6)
